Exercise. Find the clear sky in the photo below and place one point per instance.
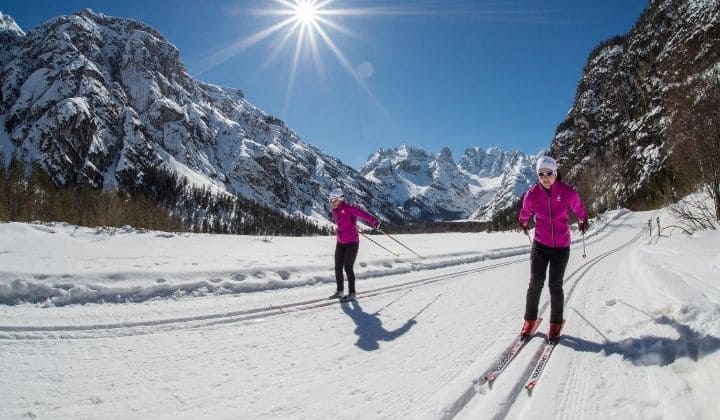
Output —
(429, 73)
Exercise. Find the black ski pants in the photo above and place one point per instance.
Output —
(345, 255)
(540, 257)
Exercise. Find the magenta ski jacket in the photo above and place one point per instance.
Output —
(345, 216)
(550, 208)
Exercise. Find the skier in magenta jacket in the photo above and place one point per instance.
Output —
(548, 201)
(348, 240)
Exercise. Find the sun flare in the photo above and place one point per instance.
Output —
(306, 12)
(308, 29)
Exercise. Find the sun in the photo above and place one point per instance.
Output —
(308, 25)
(306, 12)
(307, 28)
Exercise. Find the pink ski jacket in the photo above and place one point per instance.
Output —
(550, 209)
(345, 216)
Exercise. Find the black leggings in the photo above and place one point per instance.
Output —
(540, 257)
(345, 255)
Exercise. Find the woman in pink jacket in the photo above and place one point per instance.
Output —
(348, 240)
(548, 202)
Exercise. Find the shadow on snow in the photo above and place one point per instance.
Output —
(369, 328)
(652, 350)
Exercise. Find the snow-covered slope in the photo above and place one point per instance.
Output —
(642, 338)
(433, 187)
(96, 99)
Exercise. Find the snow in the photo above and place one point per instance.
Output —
(157, 325)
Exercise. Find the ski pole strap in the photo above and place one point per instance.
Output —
(401, 244)
(373, 241)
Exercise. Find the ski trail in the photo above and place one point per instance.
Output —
(512, 403)
(163, 325)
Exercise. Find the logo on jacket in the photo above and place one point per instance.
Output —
(558, 198)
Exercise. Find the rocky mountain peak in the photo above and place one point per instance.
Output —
(102, 101)
(9, 26)
(613, 144)
(432, 187)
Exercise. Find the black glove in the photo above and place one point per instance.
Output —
(583, 226)
(525, 229)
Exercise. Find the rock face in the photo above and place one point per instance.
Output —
(432, 187)
(613, 144)
(98, 100)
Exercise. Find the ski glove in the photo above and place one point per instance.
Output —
(525, 229)
(583, 226)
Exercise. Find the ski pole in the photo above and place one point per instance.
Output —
(583, 239)
(401, 244)
(373, 241)
(528, 235)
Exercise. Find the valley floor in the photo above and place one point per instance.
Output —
(228, 327)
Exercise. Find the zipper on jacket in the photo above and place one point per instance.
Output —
(552, 223)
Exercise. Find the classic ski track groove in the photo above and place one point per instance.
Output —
(164, 325)
(576, 276)
(518, 389)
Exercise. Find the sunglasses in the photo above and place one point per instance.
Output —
(544, 174)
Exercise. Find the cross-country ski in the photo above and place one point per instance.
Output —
(545, 353)
(509, 354)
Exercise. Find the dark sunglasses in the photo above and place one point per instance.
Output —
(544, 174)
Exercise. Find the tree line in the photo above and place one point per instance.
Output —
(35, 197)
(155, 200)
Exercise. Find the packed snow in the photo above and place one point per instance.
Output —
(97, 323)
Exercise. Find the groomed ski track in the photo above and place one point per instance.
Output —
(516, 400)
(293, 352)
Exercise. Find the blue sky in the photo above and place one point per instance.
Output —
(432, 74)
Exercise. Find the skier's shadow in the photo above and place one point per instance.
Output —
(652, 350)
(369, 328)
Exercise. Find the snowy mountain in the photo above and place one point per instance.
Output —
(433, 187)
(98, 100)
(614, 142)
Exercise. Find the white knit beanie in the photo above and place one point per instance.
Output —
(336, 193)
(546, 162)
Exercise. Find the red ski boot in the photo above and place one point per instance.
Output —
(528, 328)
(554, 332)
